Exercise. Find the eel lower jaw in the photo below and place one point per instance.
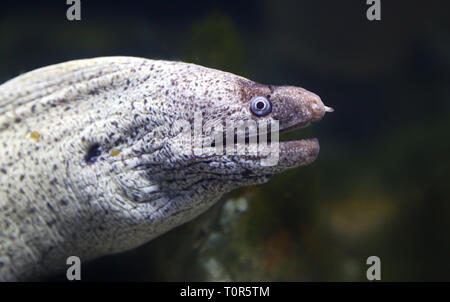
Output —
(298, 152)
(294, 153)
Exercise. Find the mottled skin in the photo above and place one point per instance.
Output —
(55, 203)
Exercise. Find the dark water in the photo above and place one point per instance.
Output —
(380, 185)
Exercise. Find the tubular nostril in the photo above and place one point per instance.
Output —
(328, 109)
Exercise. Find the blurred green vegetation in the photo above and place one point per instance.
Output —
(379, 186)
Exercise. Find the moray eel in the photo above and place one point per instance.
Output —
(87, 160)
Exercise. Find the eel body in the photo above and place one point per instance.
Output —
(90, 160)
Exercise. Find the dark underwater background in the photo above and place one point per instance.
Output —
(380, 186)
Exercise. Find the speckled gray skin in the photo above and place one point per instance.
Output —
(57, 199)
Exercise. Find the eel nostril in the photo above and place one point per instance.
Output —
(93, 153)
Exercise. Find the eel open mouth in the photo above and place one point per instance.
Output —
(293, 153)
(284, 154)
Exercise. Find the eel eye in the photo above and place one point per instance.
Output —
(260, 106)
